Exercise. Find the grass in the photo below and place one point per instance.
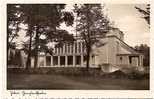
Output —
(60, 82)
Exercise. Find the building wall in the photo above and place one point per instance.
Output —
(103, 52)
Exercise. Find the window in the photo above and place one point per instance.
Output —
(120, 58)
(58, 50)
(83, 47)
(84, 58)
(62, 60)
(70, 60)
(65, 48)
(48, 60)
(62, 50)
(68, 48)
(75, 47)
(93, 59)
(78, 60)
(79, 48)
(41, 61)
(55, 60)
(72, 48)
(130, 59)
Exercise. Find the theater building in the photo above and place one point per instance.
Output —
(111, 51)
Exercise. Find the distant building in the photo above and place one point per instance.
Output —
(111, 53)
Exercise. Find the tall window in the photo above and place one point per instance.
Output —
(62, 60)
(55, 60)
(130, 59)
(79, 48)
(68, 48)
(84, 58)
(93, 59)
(83, 47)
(75, 47)
(65, 48)
(48, 60)
(70, 60)
(72, 48)
(62, 50)
(58, 50)
(78, 60)
(41, 61)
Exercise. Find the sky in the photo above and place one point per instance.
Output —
(125, 17)
(130, 21)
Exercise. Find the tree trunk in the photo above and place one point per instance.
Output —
(88, 57)
(28, 63)
(36, 47)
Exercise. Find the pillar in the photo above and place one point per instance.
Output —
(67, 48)
(66, 61)
(51, 61)
(44, 61)
(81, 47)
(77, 44)
(64, 48)
(70, 47)
(82, 60)
(58, 60)
(74, 60)
(74, 48)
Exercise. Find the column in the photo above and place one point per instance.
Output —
(44, 61)
(81, 60)
(67, 48)
(51, 61)
(81, 47)
(64, 48)
(58, 60)
(66, 60)
(77, 47)
(74, 60)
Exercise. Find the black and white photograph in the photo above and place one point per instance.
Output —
(89, 46)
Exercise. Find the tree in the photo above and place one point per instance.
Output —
(145, 12)
(42, 19)
(91, 22)
(145, 50)
(13, 23)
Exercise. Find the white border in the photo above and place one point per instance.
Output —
(74, 93)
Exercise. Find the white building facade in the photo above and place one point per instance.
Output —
(109, 51)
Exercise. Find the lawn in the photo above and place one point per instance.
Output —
(51, 81)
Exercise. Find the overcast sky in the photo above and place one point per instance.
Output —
(126, 18)
(129, 20)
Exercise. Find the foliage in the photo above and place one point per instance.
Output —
(145, 12)
(41, 19)
(144, 49)
(91, 22)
